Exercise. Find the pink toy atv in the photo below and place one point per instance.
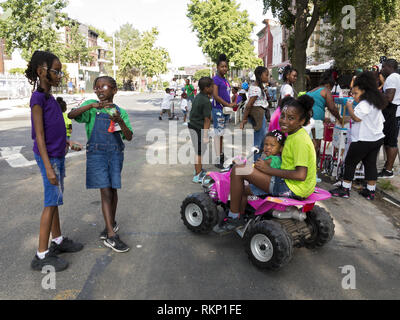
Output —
(273, 226)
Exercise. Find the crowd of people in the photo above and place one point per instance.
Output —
(290, 139)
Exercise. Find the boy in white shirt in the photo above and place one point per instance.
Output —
(184, 107)
(166, 103)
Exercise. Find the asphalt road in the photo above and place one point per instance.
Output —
(167, 261)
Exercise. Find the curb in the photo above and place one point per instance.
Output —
(389, 198)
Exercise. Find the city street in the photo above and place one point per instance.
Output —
(166, 260)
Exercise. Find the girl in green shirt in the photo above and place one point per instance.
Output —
(297, 176)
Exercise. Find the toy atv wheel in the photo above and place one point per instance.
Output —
(199, 213)
(268, 245)
(322, 228)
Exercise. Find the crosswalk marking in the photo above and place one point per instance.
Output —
(16, 159)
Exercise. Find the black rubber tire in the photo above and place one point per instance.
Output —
(281, 241)
(208, 209)
(322, 226)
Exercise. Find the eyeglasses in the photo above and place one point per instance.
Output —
(57, 73)
(105, 87)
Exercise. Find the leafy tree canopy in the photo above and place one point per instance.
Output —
(222, 28)
(32, 25)
(147, 59)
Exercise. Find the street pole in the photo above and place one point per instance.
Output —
(114, 66)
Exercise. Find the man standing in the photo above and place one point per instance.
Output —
(189, 89)
(391, 128)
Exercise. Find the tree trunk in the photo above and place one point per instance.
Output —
(302, 33)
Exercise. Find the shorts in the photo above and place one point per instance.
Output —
(319, 129)
(53, 195)
(197, 140)
(219, 121)
(103, 168)
(277, 188)
(391, 126)
(184, 112)
(165, 111)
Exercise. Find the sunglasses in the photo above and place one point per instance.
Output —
(104, 88)
(56, 72)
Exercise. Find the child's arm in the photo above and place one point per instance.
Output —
(37, 115)
(349, 106)
(125, 130)
(299, 174)
(220, 100)
(207, 124)
(247, 111)
(77, 112)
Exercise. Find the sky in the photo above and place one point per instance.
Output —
(169, 16)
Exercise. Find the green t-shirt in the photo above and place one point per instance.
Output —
(89, 118)
(201, 109)
(299, 151)
(276, 161)
(189, 90)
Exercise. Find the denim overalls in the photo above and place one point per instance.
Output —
(105, 155)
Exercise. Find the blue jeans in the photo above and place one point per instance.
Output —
(219, 121)
(53, 195)
(104, 156)
(277, 188)
(259, 137)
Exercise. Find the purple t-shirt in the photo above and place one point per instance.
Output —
(53, 124)
(224, 91)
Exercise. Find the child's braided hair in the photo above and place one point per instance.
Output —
(39, 58)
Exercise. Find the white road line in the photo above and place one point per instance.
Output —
(16, 160)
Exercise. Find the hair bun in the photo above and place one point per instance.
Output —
(306, 101)
(222, 57)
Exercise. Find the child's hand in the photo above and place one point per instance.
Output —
(51, 176)
(101, 104)
(261, 165)
(243, 123)
(116, 118)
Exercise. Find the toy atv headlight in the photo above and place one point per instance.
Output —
(207, 182)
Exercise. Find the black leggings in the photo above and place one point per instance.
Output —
(365, 151)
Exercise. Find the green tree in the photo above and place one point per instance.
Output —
(76, 51)
(363, 46)
(127, 39)
(200, 74)
(32, 25)
(147, 59)
(222, 28)
(302, 17)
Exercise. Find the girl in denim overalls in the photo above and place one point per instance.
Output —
(106, 125)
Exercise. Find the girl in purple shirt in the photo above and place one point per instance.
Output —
(221, 99)
(49, 147)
